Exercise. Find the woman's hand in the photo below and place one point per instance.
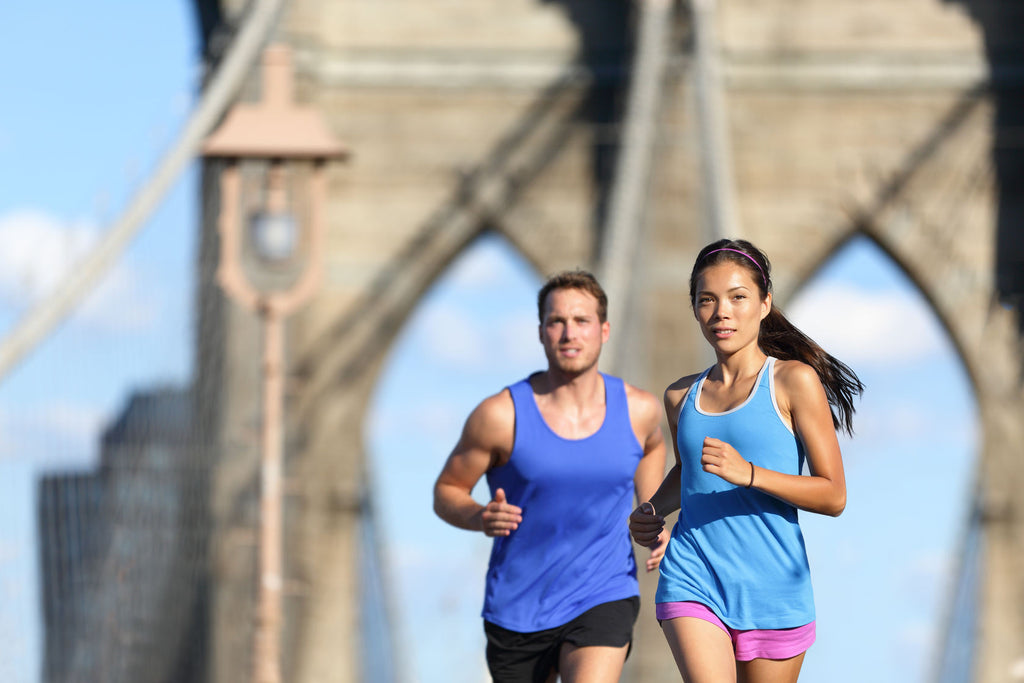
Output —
(646, 527)
(721, 459)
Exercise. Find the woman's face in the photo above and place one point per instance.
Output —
(729, 307)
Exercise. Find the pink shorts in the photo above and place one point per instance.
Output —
(780, 643)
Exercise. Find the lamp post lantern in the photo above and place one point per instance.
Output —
(280, 133)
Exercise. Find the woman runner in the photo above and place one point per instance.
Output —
(734, 597)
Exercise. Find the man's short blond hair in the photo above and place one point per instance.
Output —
(573, 279)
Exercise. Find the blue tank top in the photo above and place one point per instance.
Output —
(572, 550)
(738, 551)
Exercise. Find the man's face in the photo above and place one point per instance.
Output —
(572, 333)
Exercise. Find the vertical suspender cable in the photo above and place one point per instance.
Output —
(629, 193)
(721, 217)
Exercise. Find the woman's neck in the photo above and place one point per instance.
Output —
(739, 365)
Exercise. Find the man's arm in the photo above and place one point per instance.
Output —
(645, 415)
(486, 440)
(647, 523)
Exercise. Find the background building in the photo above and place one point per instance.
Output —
(123, 553)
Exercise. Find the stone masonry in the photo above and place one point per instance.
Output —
(844, 118)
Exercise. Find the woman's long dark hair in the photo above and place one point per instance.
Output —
(778, 336)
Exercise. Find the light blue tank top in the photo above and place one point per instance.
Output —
(738, 551)
(572, 550)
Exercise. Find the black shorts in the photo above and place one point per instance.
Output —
(515, 657)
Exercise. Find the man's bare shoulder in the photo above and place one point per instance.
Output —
(642, 402)
(485, 442)
(495, 414)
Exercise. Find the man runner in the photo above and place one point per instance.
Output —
(564, 451)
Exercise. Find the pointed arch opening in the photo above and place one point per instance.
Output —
(886, 571)
(472, 333)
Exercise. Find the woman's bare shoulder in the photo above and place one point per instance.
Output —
(676, 392)
(795, 374)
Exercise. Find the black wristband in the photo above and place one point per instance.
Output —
(751, 476)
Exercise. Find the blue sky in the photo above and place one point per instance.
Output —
(93, 95)
(883, 568)
(81, 128)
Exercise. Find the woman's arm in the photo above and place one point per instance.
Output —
(802, 394)
(801, 399)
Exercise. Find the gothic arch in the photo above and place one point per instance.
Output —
(819, 157)
(820, 260)
(332, 410)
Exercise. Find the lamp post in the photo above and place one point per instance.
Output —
(280, 134)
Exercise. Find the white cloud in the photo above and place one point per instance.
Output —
(882, 421)
(479, 342)
(520, 345)
(450, 336)
(123, 302)
(12, 552)
(40, 250)
(862, 327)
(890, 420)
(909, 650)
(72, 421)
(60, 434)
(916, 635)
(431, 421)
(484, 265)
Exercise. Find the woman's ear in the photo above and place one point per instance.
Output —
(766, 306)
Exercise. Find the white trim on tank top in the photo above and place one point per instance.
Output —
(775, 403)
(750, 397)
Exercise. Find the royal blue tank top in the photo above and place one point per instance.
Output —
(736, 550)
(572, 550)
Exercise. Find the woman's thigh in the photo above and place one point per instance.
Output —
(702, 650)
(770, 670)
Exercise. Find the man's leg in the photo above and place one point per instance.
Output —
(591, 664)
(596, 643)
(515, 657)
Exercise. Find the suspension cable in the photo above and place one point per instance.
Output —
(226, 81)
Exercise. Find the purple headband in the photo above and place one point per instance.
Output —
(746, 255)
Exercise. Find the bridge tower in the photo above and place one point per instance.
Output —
(894, 120)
